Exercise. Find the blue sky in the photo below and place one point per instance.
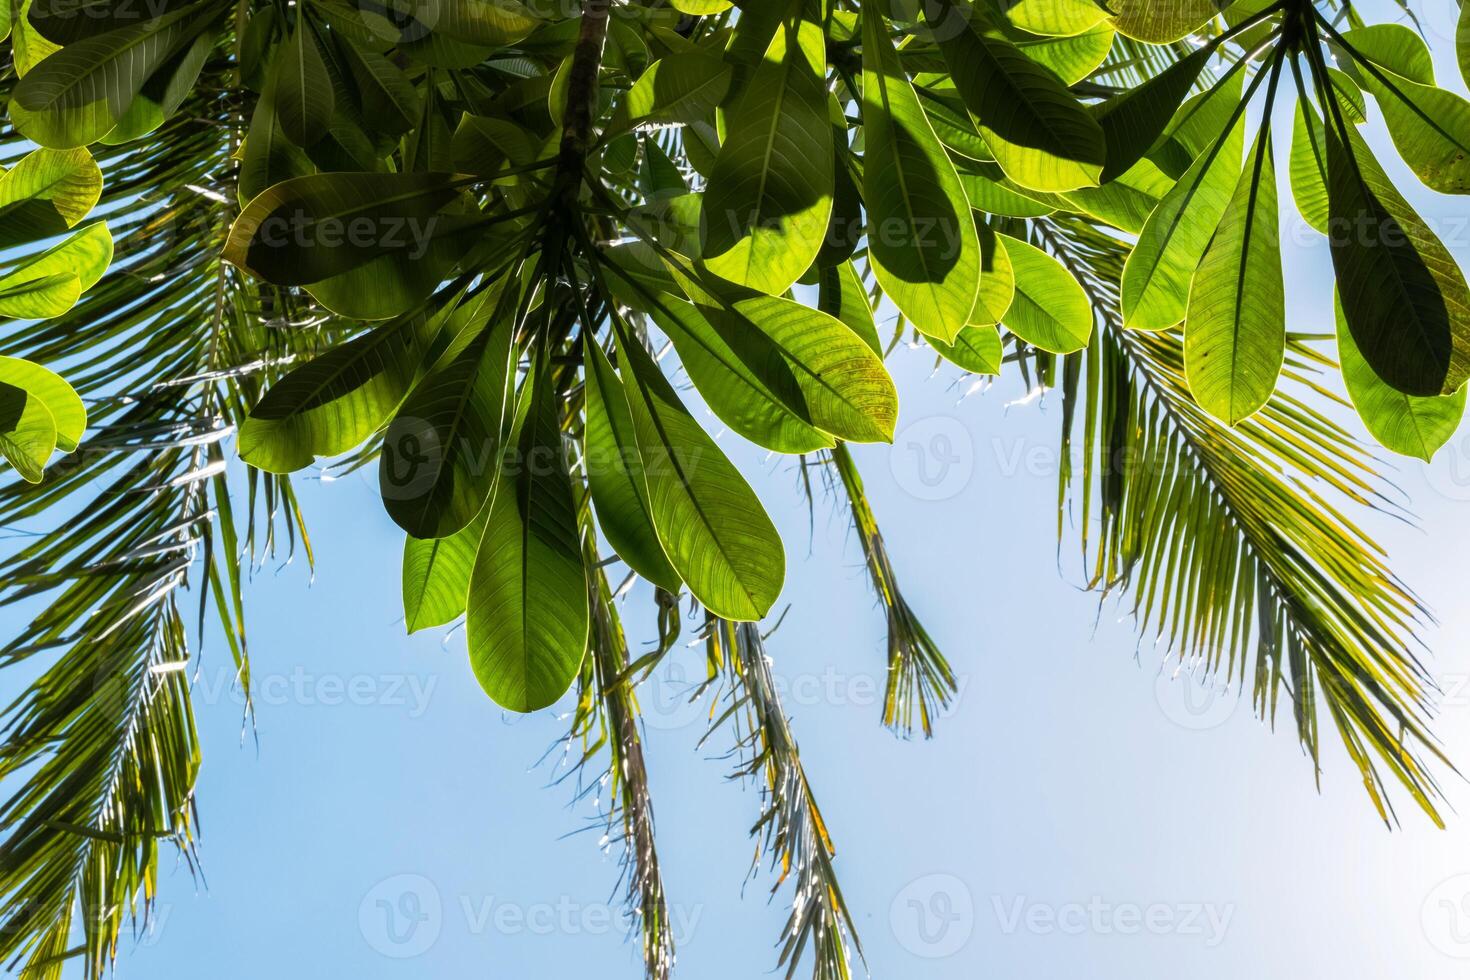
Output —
(1081, 813)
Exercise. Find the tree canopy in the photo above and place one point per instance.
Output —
(496, 249)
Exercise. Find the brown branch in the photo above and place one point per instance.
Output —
(578, 134)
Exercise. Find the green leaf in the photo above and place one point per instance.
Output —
(997, 281)
(439, 456)
(615, 476)
(1050, 310)
(51, 283)
(713, 529)
(482, 23)
(334, 402)
(680, 88)
(68, 180)
(841, 295)
(1308, 167)
(1133, 120)
(769, 199)
(27, 431)
(1040, 134)
(1235, 333)
(436, 575)
(268, 157)
(80, 93)
(740, 373)
(40, 298)
(845, 387)
(1430, 127)
(390, 103)
(1162, 22)
(977, 350)
(1403, 293)
(1073, 59)
(304, 98)
(1395, 47)
(312, 228)
(1056, 17)
(68, 413)
(1402, 423)
(1462, 43)
(1160, 268)
(921, 239)
(528, 611)
(1126, 202)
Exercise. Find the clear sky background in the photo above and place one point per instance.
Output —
(1082, 813)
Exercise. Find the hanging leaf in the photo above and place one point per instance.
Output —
(1162, 265)
(68, 414)
(997, 280)
(440, 454)
(615, 476)
(1402, 423)
(1403, 294)
(921, 238)
(1050, 310)
(1133, 120)
(713, 528)
(1235, 334)
(681, 88)
(769, 199)
(1040, 134)
(528, 611)
(1162, 23)
(436, 575)
(27, 432)
(977, 350)
(68, 181)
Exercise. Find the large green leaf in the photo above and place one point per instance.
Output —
(528, 612)
(1050, 309)
(50, 284)
(739, 371)
(1133, 120)
(27, 431)
(1429, 126)
(68, 414)
(1235, 334)
(1161, 266)
(68, 181)
(436, 575)
(440, 454)
(714, 530)
(334, 402)
(1162, 21)
(615, 476)
(80, 93)
(680, 88)
(769, 199)
(997, 281)
(303, 90)
(1064, 18)
(1403, 423)
(1404, 296)
(977, 350)
(309, 229)
(921, 239)
(840, 294)
(1040, 134)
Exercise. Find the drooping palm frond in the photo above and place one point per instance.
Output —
(791, 829)
(920, 680)
(1232, 542)
(170, 351)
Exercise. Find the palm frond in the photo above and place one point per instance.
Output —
(1232, 541)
